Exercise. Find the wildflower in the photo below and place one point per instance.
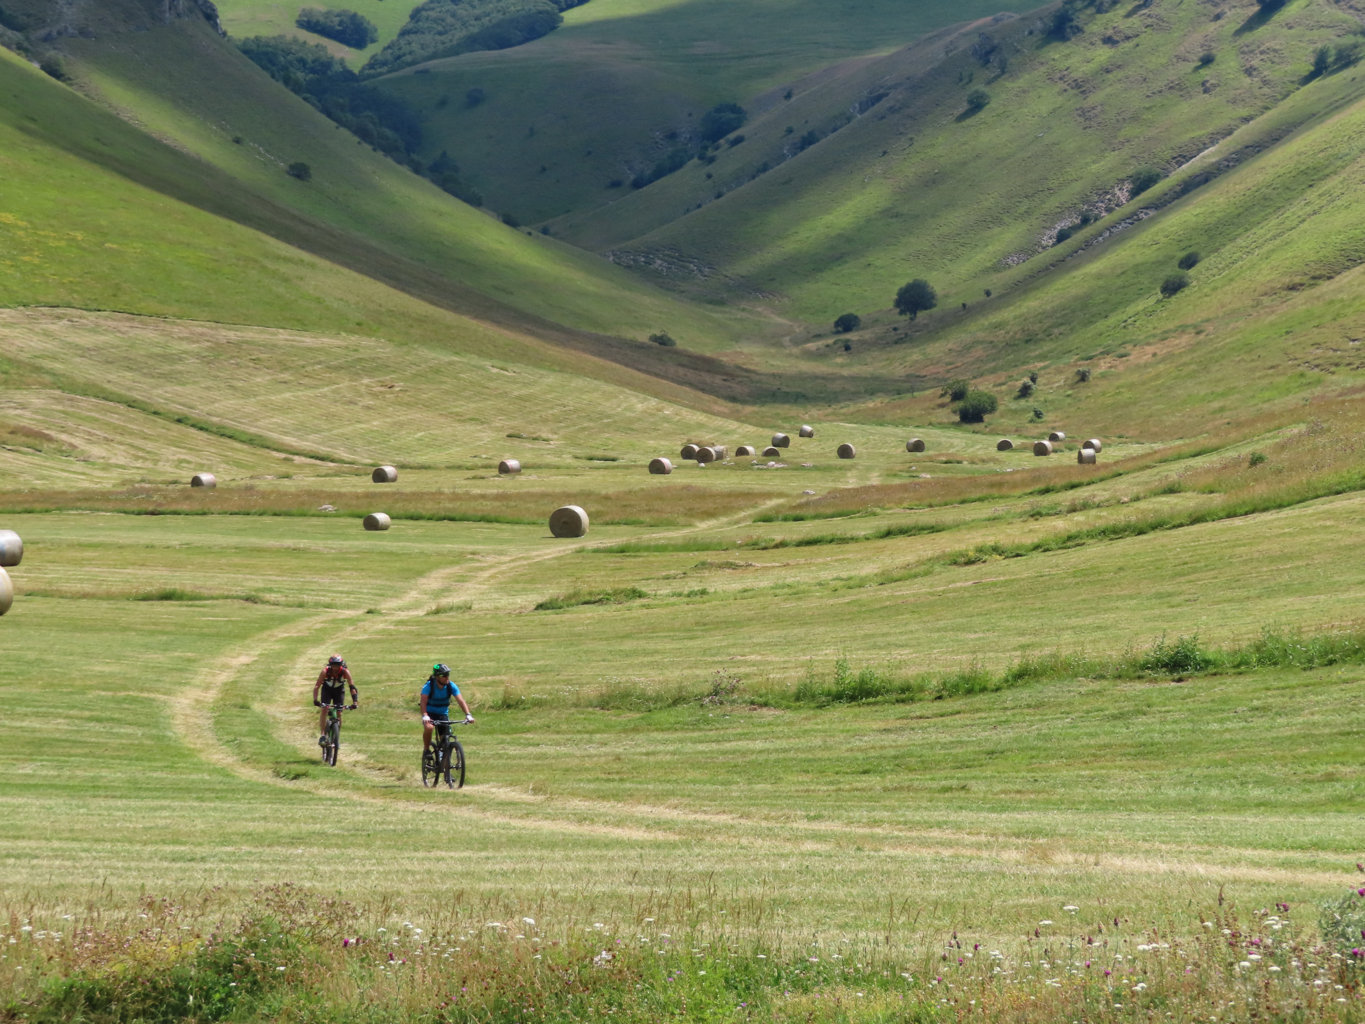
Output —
(1071, 908)
(529, 921)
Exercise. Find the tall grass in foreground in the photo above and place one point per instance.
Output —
(289, 954)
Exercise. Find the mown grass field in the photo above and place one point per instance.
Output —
(813, 747)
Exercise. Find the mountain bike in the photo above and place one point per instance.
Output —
(331, 739)
(445, 759)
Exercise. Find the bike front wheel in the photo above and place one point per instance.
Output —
(454, 766)
(329, 752)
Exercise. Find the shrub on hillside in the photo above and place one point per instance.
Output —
(955, 390)
(300, 170)
(846, 322)
(720, 121)
(663, 338)
(342, 26)
(977, 100)
(976, 406)
(1025, 389)
(441, 28)
(1142, 179)
(1188, 261)
(1175, 283)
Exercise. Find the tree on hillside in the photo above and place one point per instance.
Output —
(977, 100)
(915, 297)
(848, 322)
(976, 406)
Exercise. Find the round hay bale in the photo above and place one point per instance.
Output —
(771, 453)
(1086, 456)
(1042, 447)
(1004, 445)
(806, 430)
(11, 548)
(378, 521)
(660, 466)
(1094, 443)
(722, 451)
(846, 451)
(1056, 435)
(781, 441)
(509, 466)
(707, 454)
(744, 450)
(689, 451)
(915, 444)
(203, 480)
(6, 592)
(384, 475)
(568, 521)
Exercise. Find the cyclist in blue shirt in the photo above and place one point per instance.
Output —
(437, 693)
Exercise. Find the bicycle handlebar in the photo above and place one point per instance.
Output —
(339, 707)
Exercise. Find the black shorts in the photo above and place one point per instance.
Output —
(333, 695)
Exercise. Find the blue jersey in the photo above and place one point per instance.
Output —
(439, 697)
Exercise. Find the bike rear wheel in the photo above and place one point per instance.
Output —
(431, 773)
(454, 765)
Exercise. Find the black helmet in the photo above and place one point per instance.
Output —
(336, 659)
(440, 670)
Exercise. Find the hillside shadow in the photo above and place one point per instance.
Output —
(1260, 19)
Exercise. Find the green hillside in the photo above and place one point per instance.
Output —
(901, 719)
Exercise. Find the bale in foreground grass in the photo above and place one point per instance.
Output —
(846, 451)
(771, 453)
(781, 441)
(1004, 445)
(203, 480)
(1042, 447)
(707, 454)
(744, 450)
(378, 521)
(6, 592)
(660, 466)
(509, 466)
(1094, 443)
(1057, 435)
(915, 444)
(806, 430)
(11, 548)
(689, 451)
(1086, 456)
(568, 521)
(384, 475)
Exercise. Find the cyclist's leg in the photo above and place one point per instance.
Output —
(322, 723)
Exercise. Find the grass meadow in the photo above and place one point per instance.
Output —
(815, 740)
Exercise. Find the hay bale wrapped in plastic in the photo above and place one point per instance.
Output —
(660, 466)
(1086, 456)
(509, 466)
(806, 430)
(384, 475)
(781, 441)
(11, 548)
(846, 451)
(915, 444)
(1004, 445)
(378, 521)
(207, 480)
(1042, 447)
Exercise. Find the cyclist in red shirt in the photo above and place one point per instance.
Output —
(330, 689)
